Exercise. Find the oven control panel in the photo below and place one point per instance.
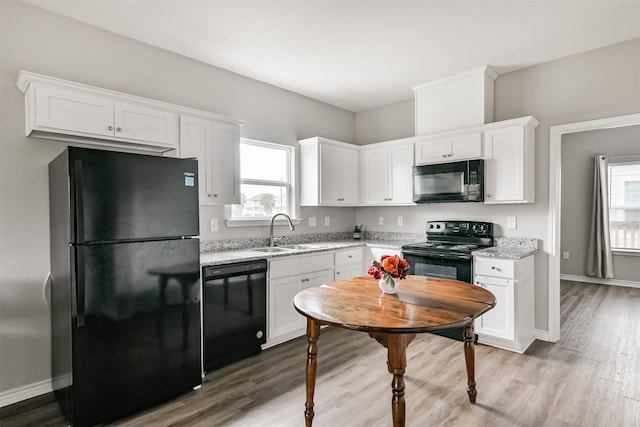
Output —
(463, 228)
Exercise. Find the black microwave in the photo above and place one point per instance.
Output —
(449, 182)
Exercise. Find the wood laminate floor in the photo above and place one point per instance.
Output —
(591, 377)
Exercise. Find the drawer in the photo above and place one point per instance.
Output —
(351, 256)
(494, 267)
(293, 265)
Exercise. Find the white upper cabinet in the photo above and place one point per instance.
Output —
(329, 172)
(386, 174)
(63, 110)
(449, 148)
(216, 145)
(510, 161)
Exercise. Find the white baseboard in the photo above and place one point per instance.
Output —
(28, 391)
(541, 335)
(612, 282)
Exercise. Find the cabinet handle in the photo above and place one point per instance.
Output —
(215, 195)
(350, 256)
(119, 129)
(110, 127)
(444, 155)
(493, 267)
(488, 196)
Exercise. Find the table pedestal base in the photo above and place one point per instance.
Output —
(396, 345)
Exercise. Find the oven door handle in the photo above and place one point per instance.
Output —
(436, 255)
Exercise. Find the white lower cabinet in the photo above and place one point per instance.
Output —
(511, 323)
(288, 276)
(348, 264)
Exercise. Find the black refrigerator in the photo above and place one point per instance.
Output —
(125, 282)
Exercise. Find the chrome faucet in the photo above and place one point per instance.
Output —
(291, 227)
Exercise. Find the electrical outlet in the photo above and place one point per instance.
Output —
(400, 220)
(312, 221)
(327, 221)
(512, 222)
(565, 255)
(213, 224)
(381, 220)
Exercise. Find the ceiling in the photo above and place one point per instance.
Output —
(359, 55)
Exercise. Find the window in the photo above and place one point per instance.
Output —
(266, 180)
(624, 203)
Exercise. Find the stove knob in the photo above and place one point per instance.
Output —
(430, 225)
(438, 226)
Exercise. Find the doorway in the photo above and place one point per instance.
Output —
(555, 161)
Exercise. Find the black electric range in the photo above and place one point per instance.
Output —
(447, 253)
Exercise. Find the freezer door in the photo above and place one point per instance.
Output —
(139, 338)
(122, 196)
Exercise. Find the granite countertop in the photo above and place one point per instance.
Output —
(510, 248)
(247, 254)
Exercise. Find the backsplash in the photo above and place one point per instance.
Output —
(517, 242)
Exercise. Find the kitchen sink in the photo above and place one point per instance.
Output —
(272, 249)
(306, 246)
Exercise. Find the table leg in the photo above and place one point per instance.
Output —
(313, 333)
(469, 357)
(396, 345)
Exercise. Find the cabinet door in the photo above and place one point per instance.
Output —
(504, 166)
(145, 124)
(196, 141)
(225, 164)
(349, 177)
(283, 317)
(466, 146)
(433, 151)
(330, 175)
(500, 321)
(375, 176)
(284, 320)
(74, 112)
(401, 174)
(349, 271)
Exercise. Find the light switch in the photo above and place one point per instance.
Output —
(312, 221)
(327, 221)
(381, 220)
(213, 224)
(565, 255)
(400, 220)
(512, 222)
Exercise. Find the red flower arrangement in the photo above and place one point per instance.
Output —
(389, 267)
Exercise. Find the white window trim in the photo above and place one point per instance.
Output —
(621, 160)
(231, 221)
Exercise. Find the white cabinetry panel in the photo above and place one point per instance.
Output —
(329, 173)
(216, 145)
(511, 323)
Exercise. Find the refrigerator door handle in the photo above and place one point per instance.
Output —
(79, 199)
(80, 278)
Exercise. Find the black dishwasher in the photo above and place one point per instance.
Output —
(234, 315)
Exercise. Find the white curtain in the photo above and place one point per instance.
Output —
(599, 258)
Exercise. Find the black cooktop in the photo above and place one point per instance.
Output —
(455, 237)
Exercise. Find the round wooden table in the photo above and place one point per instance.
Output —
(422, 304)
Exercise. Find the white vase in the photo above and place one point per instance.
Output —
(388, 288)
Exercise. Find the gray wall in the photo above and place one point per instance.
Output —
(578, 153)
(596, 84)
(392, 121)
(36, 40)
